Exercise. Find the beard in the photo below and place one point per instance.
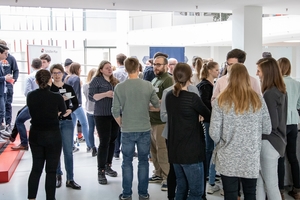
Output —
(159, 72)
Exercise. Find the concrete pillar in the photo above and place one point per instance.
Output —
(122, 32)
(247, 34)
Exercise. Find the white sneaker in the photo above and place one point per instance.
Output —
(222, 192)
(212, 189)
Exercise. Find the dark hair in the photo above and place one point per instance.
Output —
(271, 75)
(160, 54)
(68, 62)
(112, 79)
(165, 59)
(239, 54)
(131, 65)
(42, 77)
(45, 57)
(206, 67)
(3, 48)
(182, 74)
(36, 63)
(150, 61)
(266, 55)
(57, 66)
(285, 66)
(121, 58)
(74, 68)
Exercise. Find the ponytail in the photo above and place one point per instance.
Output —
(204, 72)
(198, 66)
(177, 88)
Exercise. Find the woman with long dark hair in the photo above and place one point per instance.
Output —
(101, 91)
(44, 135)
(273, 145)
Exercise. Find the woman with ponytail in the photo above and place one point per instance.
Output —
(197, 65)
(186, 145)
(44, 135)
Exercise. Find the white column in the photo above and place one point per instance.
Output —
(122, 32)
(296, 66)
(247, 34)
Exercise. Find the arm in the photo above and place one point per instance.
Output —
(266, 121)
(216, 90)
(154, 100)
(28, 86)
(205, 94)
(74, 100)
(200, 107)
(270, 100)
(15, 69)
(163, 110)
(116, 107)
(216, 125)
(61, 105)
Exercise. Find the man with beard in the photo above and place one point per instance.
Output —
(158, 146)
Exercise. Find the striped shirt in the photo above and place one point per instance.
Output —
(102, 106)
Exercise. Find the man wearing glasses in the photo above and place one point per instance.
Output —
(171, 65)
(233, 56)
(158, 146)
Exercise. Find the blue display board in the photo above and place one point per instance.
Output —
(173, 52)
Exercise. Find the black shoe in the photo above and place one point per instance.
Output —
(73, 185)
(58, 181)
(102, 178)
(110, 172)
(94, 152)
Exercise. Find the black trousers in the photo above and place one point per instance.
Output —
(291, 153)
(45, 147)
(108, 129)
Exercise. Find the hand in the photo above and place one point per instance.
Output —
(68, 112)
(201, 119)
(110, 94)
(8, 77)
(65, 98)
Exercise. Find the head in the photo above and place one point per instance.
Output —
(67, 64)
(90, 75)
(120, 59)
(270, 75)
(159, 65)
(239, 92)
(285, 66)
(3, 52)
(210, 69)
(43, 78)
(75, 68)
(158, 54)
(46, 60)
(57, 72)
(235, 56)
(266, 55)
(182, 76)
(3, 43)
(132, 65)
(172, 62)
(36, 63)
(197, 65)
(105, 69)
(149, 62)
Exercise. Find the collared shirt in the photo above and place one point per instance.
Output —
(121, 74)
(30, 82)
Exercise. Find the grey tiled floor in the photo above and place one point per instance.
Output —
(85, 174)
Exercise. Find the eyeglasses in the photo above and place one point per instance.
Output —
(158, 64)
(56, 73)
(229, 64)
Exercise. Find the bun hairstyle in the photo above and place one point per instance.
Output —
(205, 69)
(42, 77)
(182, 74)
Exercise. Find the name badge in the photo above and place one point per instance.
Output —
(156, 90)
(62, 91)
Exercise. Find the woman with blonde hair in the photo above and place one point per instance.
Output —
(89, 106)
(293, 93)
(101, 92)
(186, 145)
(273, 144)
(197, 65)
(239, 118)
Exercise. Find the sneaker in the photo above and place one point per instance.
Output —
(102, 178)
(110, 172)
(75, 149)
(122, 197)
(73, 185)
(142, 197)
(135, 154)
(89, 149)
(81, 140)
(117, 156)
(94, 152)
(164, 186)
(155, 179)
(222, 192)
(212, 189)
(295, 193)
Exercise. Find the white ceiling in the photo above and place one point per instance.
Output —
(269, 6)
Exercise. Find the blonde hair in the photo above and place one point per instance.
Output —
(91, 75)
(239, 93)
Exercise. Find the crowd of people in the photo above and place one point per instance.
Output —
(190, 121)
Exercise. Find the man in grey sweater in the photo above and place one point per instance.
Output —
(133, 97)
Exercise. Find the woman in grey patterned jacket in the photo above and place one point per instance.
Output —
(239, 118)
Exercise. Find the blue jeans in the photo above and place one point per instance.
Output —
(129, 140)
(2, 108)
(8, 98)
(210, 145)
(66, 130)
(190, 181)
(80, 115)
(20, 120)
(91, 121)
